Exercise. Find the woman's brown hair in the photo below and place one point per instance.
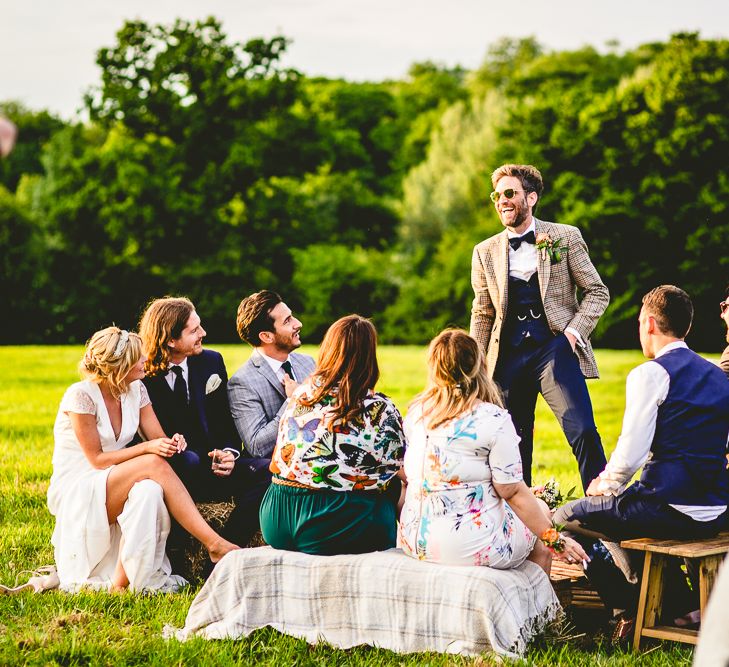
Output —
(348, 365)
(457, 379)
(162, 321)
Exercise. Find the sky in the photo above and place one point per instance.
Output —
(48, 49)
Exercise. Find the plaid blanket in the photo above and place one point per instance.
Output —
(384, 599)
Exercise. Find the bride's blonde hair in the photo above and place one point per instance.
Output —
(456, 379)
(110, 354)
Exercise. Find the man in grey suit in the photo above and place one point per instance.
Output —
(259, 390)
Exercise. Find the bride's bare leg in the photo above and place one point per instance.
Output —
(150, 466)
(119, 581)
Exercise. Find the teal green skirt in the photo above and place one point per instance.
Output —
(321, 521)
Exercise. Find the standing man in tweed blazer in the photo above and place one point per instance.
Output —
(526, 316)
(259, 390)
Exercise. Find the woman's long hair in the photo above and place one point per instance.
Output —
(347, 367)
(457, 379)
(162, 321)
(110, 354)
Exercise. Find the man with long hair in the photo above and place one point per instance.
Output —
(188, 388)
(259, 390)
(534, 333)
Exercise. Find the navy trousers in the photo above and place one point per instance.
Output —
(550, 369)
(627, 516)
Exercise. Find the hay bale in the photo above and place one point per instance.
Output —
(188, 556)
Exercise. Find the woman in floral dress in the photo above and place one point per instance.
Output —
(463, 465)
(339, 446)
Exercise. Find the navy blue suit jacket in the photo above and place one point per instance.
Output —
(216, 428)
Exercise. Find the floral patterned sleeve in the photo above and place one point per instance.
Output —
(504, 459)
(78, 401)
(390, 439)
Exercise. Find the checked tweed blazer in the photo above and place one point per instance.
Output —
(258, 399)
(558, 284)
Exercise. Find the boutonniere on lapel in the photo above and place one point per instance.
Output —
(212, 384)
(548, 247)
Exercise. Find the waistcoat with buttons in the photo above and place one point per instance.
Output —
(687, 465)
(525, 318)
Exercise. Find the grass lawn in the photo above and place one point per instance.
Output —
(100, 629)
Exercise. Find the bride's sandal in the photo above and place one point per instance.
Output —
(44, 579)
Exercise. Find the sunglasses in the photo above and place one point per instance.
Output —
(724, 305)
(508, 193)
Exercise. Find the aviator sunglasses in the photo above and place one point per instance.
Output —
(508, 193)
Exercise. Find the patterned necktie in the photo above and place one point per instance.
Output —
(529, 237)
(286, 366)
(180, 388)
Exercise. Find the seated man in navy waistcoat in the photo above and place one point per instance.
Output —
(675, 426)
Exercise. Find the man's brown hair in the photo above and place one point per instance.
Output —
(162, 321)
(254, 316)
(671, 308)
(529, 176)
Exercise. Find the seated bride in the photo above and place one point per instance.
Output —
(111, 502)
(466, 502)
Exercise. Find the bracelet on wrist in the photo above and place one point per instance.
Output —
(553, 540)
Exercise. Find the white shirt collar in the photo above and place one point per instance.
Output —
(532, 228)
(182, 365)
(677, 344)
(275, 364)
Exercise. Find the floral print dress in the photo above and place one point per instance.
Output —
(364, 455)
(452, 514)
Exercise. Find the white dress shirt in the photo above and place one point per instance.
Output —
(275, 365)
(523, 264)
(645, 390)
(171, 377)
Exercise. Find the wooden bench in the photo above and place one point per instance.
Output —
(573, 588)
(709, 552)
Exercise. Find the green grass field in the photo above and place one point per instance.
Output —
(112, 629)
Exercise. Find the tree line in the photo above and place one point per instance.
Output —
(205, 167)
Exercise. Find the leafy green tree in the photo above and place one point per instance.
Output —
(654, 193)
(22, 272)
(337, 280)
(35, 128)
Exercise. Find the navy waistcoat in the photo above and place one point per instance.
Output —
(525, 318)
(688, 453)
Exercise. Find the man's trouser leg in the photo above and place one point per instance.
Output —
(516, 378)
(565, 391)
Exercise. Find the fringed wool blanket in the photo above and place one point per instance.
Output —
(383, 599)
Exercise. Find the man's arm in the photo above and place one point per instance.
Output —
(220, 421)
(482, 310)
(595, 296)
(645, 389)
(246, 406)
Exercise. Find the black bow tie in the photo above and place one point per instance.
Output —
(518, 240)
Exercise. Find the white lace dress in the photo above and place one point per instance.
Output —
(86, 546)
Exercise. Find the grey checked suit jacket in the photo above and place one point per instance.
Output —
(558, 284)
(257, 400)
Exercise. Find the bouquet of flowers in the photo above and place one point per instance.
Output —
(549, 492)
